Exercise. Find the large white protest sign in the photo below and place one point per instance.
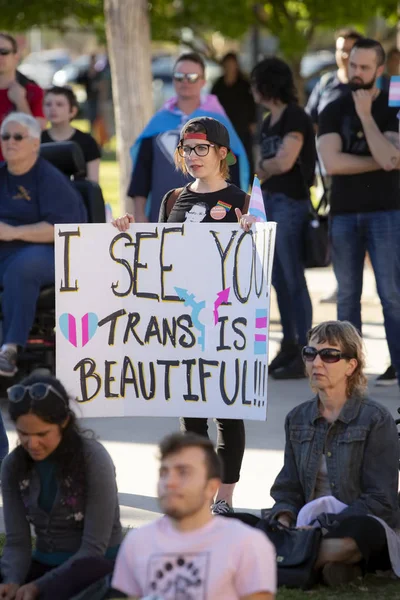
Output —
(164, 320)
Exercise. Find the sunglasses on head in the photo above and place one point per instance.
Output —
(18, 137)
(36, 391)
(328, 355)
(189, 77)
(5, 51)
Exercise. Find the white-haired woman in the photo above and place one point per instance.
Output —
(341, 461)
(34, 196)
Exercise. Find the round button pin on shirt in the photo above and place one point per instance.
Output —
(217, 212)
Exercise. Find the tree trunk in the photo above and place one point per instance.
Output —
(128, 39)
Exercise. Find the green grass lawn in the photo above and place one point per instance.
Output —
(378, 588)
(372, 586)
(109, 182)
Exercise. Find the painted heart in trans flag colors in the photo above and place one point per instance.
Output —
(87, 328)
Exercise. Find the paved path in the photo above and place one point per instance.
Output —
(132, 442)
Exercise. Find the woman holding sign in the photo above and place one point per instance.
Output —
(204, 153)
(61, 482)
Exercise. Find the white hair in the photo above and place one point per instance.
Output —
(25, 120)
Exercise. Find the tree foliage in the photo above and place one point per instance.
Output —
(20, 15)
(293, 22)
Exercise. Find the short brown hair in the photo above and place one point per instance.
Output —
(64, 91)
(174, 443)
(193, 57)
(346, 336)
(180, 161)
(370, 44)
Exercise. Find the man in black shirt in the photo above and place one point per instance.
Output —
(333, 85)
(359, 144)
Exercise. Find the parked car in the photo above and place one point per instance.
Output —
(71, 73)
(41, 66)
(161, 66)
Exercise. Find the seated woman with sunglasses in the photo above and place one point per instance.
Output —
(34, 196)
(61, 482)
(341, 461)
(204, 153)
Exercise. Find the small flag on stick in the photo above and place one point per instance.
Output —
(256, 204)
(394, 91)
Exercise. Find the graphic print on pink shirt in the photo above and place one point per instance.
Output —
(173, 576)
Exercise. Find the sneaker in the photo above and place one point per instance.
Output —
(8, 362)
(294, 370)
(331, 299)
(335, 574)
(389, 377)
(221, 508)
(288, 351)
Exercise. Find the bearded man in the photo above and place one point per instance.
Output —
(359, 145)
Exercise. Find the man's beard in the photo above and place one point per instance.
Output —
(181, 512)
(357, 84)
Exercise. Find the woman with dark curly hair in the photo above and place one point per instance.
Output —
(287, 171)
(62, 482)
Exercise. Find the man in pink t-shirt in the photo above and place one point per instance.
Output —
(189, 554)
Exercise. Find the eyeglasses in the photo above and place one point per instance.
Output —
(189, 77)
(328, 355)
(6, 51)
(200, 150)
(36, 391)
(18, 137)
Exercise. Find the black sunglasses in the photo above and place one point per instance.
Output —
(36, 391)
(18, 137)
(328, 355)
(190, 77)
(6, 51)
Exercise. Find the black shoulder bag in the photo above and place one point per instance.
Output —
(296, 553)
(317, 246)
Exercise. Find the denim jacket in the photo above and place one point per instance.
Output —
(362, 457)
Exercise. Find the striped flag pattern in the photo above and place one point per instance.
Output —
(394, 91)
(256, 204)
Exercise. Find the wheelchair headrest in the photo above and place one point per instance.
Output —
(65, 156)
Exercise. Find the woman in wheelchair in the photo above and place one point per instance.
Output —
(341, 462)
(34, 196)
(62, 482)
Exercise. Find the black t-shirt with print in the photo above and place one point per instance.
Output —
(191, 207)
(361, 192)
(90, 148)
(295, 183)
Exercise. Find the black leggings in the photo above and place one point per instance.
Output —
(230, 443)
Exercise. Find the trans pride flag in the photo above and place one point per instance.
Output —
(256, 203)
(394, 91)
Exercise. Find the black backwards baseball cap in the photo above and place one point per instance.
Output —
(207, 128)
